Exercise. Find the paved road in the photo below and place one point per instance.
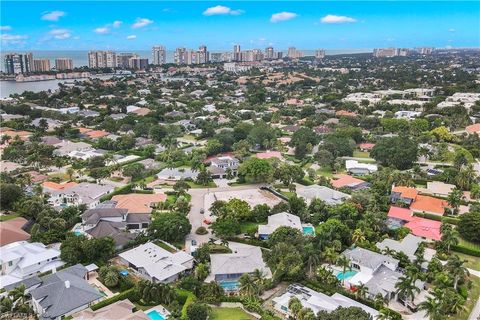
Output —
(197, 204)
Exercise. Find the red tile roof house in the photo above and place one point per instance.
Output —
(474, 128)
(269, 155)
(421, 227)
(418, 203)
(346, 181)
(366, 146)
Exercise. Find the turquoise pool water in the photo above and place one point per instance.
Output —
(154, 315)
(77, 233)
(309, 231)
(346, 275)
(229, 285)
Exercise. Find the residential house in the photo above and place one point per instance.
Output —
(65, 147)
(157, 264)
(418, 203)
(114, 223)
(176, 174)
(358, 168)
(275, 221)
(376, 271)
(424, 228)
(82, 193)
(366, 147)
(227, 268)
(12, 231)
(349, 182)
(21, 259)
(408, 245)
(316, 301)
(64, 293)
(120, 310)
(138, 203)
(328, 195)
(219, 166)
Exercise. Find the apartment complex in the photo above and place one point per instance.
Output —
(102, 59)
(319, 54)
(63, 64)
(159, 55)
(17, 63)
(41, 65)
(390, 52)
(293, 53)
(188, 56)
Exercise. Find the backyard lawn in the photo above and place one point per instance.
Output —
(248, 227)
(361, 154)
(326, 172)
(195, 185)
(472, 262)
(230, 314)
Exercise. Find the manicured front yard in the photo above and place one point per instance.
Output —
(472, 262)
(248, 227)
(230, 314)
(326, 172)
(195, 185)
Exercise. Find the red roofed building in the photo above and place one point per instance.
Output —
(346, 181)
(474, 128)
(366, 146)
(416, 202)
(11, 231)
(421, 227)
(269, 155)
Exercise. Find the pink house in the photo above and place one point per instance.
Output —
(421, 227)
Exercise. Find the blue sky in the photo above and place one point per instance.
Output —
(137, 25)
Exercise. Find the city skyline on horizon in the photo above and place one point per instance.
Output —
(73, 25)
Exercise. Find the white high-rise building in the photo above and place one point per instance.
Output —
(293, 53)
(159, 54)
(63, 64)
(102, 59)
(319, 54)
(180, 56)
(203, 56)
(236, 52)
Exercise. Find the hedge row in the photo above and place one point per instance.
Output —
(470, 251)
(447, 219)
(188, 298)
(129, 294)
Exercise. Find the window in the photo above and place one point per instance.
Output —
(10, 263)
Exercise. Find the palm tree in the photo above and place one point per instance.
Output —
(449, 236)
(344, 262)
(432, 308)
(306, 314)
(295, 306)
(457, 269)
(330, 255)
(361, 291)
(406, 288)
(247, 286)
(258, 279)
(387, 314)
(389, 252)
(312, 262)
(358, 236)
(111, 278)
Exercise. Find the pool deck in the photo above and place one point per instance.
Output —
(160, 309)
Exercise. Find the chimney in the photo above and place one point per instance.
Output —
(67, 284)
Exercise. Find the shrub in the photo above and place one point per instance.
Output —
(201, 230)
(130, 294)
(466, 250)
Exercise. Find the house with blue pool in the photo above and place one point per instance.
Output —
(283, 219)
(227, 268)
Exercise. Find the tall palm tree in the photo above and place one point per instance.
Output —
(313, 261)
(361, 291)
(258, 279)
(457, 269)
(406, 288)
(449, 236)
(432, 308)
(344, 262)
(358, 236)
(247, 286)
(330, 255)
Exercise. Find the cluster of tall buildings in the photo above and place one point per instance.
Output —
(112, 59)
(189, 56)
(400, 52)
(24, 63)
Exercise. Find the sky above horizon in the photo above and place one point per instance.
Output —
(137, 25)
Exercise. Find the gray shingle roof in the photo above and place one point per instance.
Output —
(57, 298)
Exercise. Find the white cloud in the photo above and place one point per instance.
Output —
(282, 16)
(116, 24)
(331, 18)
(141, 22)
(53, 15)
(60, 34)
(5, 28)
(131, 37)
(102, 30)
(451, 30)
(221, 10)
(12, 38)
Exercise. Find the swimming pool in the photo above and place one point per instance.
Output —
(77, 233)
(155, 315)
(308, 230)
(229, 285)
(346, 275)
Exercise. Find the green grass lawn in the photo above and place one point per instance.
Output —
(465, 243)
(61, 176)
(361, 154)
(195, 185)
(230, 314)
(6, 217)
(473, 297)
(472, 262)
(326, 172)
(248, 227)
(142, 307)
